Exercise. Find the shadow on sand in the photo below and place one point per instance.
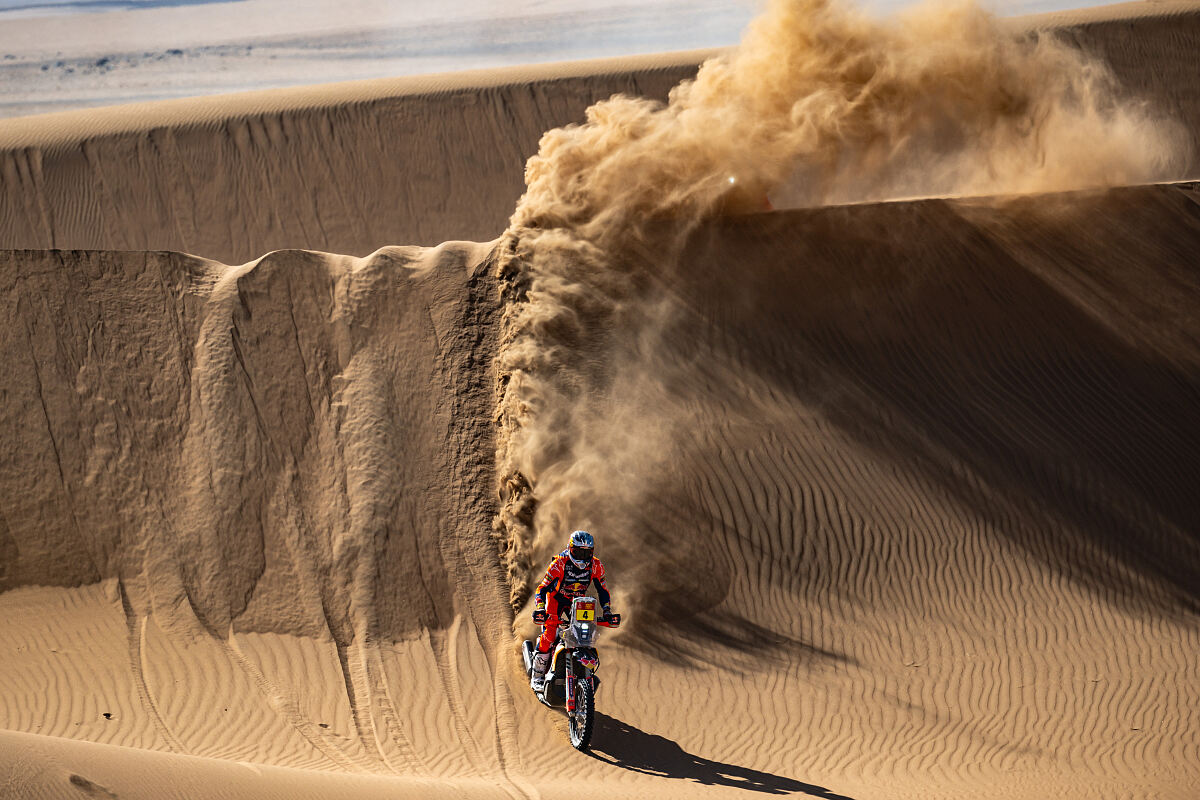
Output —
(621, 744)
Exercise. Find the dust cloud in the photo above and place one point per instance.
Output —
(819, 104)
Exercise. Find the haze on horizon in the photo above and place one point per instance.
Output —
(59, 55)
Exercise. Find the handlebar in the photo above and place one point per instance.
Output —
(613, 621)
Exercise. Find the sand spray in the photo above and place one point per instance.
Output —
(820, 103)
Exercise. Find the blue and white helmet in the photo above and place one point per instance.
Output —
(581, 547)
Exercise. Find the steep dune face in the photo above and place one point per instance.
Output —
(920, 499)
(341, 169)
(174, 415)
(925, 484)
(1027, 361)
(298, 446)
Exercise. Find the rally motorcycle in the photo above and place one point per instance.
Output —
(571, 677)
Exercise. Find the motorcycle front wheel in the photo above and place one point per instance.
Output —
(580, 720)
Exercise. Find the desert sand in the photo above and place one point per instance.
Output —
(110, 52)
(897, 484)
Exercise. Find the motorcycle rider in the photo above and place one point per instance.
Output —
(569, 575)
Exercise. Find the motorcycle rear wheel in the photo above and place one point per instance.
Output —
(579, 721)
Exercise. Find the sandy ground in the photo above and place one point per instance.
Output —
(55, 63)
(920, 519)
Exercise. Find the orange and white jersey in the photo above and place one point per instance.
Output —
(564, 577)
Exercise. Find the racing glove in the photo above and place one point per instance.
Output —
(539, 613)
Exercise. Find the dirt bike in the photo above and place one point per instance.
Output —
(571, 677)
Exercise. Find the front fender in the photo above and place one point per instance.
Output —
(586, 661)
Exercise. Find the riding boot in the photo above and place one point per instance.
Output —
(537, 680)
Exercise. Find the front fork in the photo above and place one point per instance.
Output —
(570, 681)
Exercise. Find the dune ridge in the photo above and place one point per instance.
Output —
(237, 176)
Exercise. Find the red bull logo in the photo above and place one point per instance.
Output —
(575, 588)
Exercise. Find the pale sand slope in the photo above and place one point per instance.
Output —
(342, 167)
(930, 531)
(348, 167)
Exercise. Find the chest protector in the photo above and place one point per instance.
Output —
(575, 580)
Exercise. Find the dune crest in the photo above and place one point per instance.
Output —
(316, 168)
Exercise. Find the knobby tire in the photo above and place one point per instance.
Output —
(579, 721)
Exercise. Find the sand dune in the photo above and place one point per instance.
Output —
(237, 176)
(899, 498)
(931, 528)
(342, 168)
